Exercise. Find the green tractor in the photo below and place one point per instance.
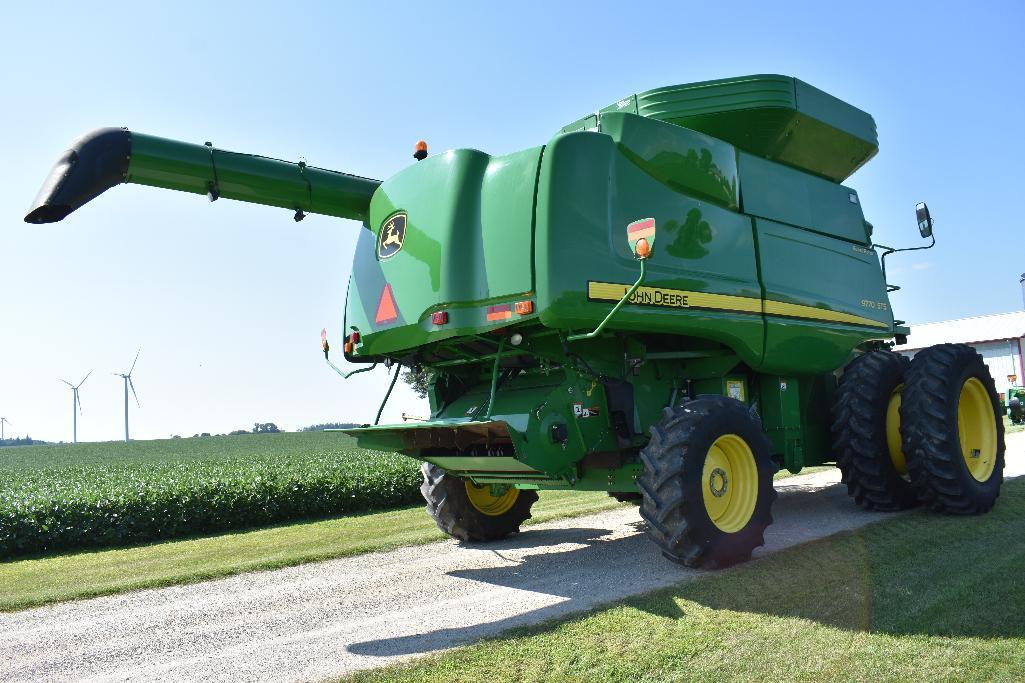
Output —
(1016, 405)
(565, 348)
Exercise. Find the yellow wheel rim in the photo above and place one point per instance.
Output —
(893, 432)
(977, 429)
(485, 502)
(729, 483)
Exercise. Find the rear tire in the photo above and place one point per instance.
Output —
(866, 432)
(953, 430)
(470, 513)
(707, 483)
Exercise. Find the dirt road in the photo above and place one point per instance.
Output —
(327, 619)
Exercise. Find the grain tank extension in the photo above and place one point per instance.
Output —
(669, 300)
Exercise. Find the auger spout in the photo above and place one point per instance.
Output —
(107, 157)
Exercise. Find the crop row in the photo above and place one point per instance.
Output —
(102, 505)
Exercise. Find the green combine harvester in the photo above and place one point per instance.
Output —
(567, 348)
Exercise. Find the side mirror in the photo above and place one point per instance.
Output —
(641, 236)
(924, 219)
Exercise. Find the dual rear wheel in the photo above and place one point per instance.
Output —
(928, 431)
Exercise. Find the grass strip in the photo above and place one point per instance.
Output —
(919, 597)
(55, 578)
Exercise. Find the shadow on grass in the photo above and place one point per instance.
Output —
(918, 573)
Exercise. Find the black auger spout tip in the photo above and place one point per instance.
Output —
(93, 164)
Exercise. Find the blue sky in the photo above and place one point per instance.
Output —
(227, 300)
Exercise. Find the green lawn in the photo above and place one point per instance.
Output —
(920, 597)
(26, 583)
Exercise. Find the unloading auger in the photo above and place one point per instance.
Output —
(107, 157)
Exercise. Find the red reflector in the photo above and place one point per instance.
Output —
(440, 318)
(524, 307)
(500, 312)
(386, 310)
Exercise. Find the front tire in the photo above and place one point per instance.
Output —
(468, 512)
(953, 430)
(707, 483)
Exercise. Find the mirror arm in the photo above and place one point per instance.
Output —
(892, 250)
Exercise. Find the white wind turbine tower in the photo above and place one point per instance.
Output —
(76, 401)
(3, 421)
(127, 377)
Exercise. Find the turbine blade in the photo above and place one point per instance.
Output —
(132, 385)
(85, 378)
(78, 398)
(135, 361)
(66, 382)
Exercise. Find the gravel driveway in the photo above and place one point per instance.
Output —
(327, 619)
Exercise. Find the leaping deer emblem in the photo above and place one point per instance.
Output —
(392, 235)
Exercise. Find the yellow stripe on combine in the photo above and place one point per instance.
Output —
(673, 298)
(679, 298)
(815, 313)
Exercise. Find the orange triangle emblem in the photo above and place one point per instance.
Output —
(386, 310)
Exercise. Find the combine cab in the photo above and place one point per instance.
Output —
(669, 300)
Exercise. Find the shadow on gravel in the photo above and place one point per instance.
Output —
(582, 574)
(919, 573)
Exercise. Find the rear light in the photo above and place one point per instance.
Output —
(354, 337)
(500, 312)
(439, 318)
(347, 347)
(524, 307)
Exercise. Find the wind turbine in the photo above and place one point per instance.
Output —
(3, 420)
(75, 400)
(127, 377)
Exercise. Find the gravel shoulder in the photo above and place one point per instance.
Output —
(332, 618)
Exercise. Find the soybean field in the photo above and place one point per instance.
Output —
(61, 497)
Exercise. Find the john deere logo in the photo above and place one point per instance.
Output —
(393, 232)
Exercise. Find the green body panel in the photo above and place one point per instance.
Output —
(782, 194)
(832, 278)
(467, 245)
(704, 248)
(174, 165)
(693, 163)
